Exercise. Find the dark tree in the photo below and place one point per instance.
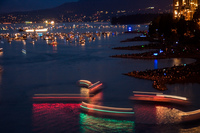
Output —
(195, 26)
(165, 25)
(181, 27)
(162, 25)
(153, 27)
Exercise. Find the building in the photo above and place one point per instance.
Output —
(184, 8)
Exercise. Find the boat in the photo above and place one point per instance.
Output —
(53, 43)
(159, 97)
(106, 111)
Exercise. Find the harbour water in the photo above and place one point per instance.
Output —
(55, 69)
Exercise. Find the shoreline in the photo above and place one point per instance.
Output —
(185, 73)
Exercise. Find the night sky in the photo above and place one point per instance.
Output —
(26, 5)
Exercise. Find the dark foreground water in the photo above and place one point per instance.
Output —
(47, 69)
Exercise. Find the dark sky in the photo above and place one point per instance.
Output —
(24, 5)
(28, 5)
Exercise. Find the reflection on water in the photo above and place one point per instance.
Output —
(90, 124)
(97, 99)
(60, 117)
(144, 113)
(155, 64)
(166, 115)
(176, 61)
(55, 48)
(89, 61)
(1, 72)
(55, 117)
(1, 53)
(195, 129)
(156, 114)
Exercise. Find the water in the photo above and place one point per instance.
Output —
(56, 69)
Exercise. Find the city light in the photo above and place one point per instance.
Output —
(129, 28)
(184, 8)
(42, 30)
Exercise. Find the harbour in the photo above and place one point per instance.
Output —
(49, 69)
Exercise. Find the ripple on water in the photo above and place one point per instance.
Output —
(55, 117)
(156, 114)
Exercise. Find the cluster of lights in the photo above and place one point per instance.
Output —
(47, 22)
(37, 30)
(180, 8)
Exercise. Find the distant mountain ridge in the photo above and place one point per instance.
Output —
(89, 6)
(93, 10)
(112, 5)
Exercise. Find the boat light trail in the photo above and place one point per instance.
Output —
(107, 111)
(113, 108)
(176, 97)
(146, 92)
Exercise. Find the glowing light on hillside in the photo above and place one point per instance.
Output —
(52, 22)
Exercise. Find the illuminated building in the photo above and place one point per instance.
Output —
(184, 8)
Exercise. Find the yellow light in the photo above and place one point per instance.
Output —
(52, 22)
(32, 30)
(176, 97)
(41, 30)
(190, 113)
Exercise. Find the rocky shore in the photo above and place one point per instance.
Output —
(140, 39)
(177, 74)
(142, 47)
